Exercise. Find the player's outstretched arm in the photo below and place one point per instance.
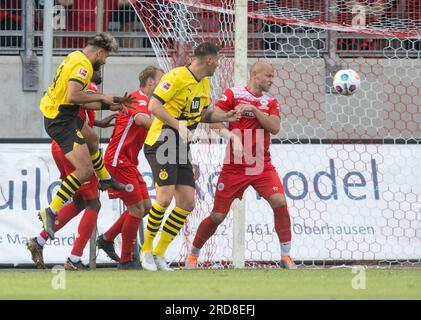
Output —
(76, 95)
(219, 115)
(97, 101)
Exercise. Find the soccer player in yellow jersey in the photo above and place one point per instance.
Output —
(60, 106)
(179, 103)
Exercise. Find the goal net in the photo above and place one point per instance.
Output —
(350, 165)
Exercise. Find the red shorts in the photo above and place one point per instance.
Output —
(233, 182)
(88, 190)
(128, 175)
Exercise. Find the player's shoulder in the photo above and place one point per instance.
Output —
(78, 56)
(237, 89)
(139, 95)
(269, 98)
(178, 71)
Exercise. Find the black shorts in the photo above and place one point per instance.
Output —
(65, 128)
(169, 174)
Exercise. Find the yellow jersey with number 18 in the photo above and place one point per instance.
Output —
(75, 67)
(184, 97)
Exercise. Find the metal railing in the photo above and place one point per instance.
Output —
(74, 21)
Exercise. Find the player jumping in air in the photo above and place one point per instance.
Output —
(60, 107)
(85, 198)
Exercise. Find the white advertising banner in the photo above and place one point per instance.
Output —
(346, 202)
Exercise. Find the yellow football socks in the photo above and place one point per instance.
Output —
(171, 228)
(99, 166)
(67, 189)
(155, 217)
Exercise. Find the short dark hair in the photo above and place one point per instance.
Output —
(148, 72)
(206, 48)
(105, 41)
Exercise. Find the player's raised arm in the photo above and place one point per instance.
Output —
(76, 95)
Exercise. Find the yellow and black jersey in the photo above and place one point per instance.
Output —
(184, 97)
(75, 67)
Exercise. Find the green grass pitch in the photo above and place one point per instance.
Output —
(211, 284)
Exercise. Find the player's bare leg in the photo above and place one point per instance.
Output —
(105, 179)
(206, 229)
(164, 196)
(283, 228)
(80, 159)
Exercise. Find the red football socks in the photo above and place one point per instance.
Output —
(115, 229)
(206, 229)
(128, 234)
(282, 223)
(66, 214)
(86, 226)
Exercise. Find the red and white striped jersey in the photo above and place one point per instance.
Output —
(128, 138)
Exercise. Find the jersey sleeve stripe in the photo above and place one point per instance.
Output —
(121, 142)
(158, 98)
(77, 80)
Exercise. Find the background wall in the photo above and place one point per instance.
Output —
(21, 117)
(388, 105)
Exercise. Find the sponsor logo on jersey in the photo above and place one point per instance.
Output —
(248, 114)
(142, 102)
(166, 86)
(83, 73)
(195, 105)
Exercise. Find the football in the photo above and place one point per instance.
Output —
(346, 82)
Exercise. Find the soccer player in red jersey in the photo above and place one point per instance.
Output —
(121, 160)
(249, 161)
(85, 198)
